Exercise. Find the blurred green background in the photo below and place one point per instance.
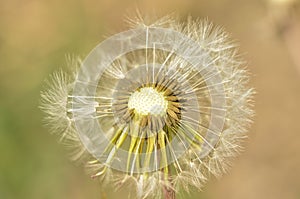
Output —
(35, 36)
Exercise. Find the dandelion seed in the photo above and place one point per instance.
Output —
(160, 106)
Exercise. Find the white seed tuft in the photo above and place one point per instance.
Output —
(160, 107)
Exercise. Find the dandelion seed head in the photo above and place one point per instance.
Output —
(161, 106)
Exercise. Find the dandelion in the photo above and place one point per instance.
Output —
(161, 106)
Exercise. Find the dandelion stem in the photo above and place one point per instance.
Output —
(168, 193)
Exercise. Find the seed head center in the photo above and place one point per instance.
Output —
(148, 100)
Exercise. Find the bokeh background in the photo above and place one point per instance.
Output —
(36, 35)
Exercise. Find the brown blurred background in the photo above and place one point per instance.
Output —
(35, 36)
